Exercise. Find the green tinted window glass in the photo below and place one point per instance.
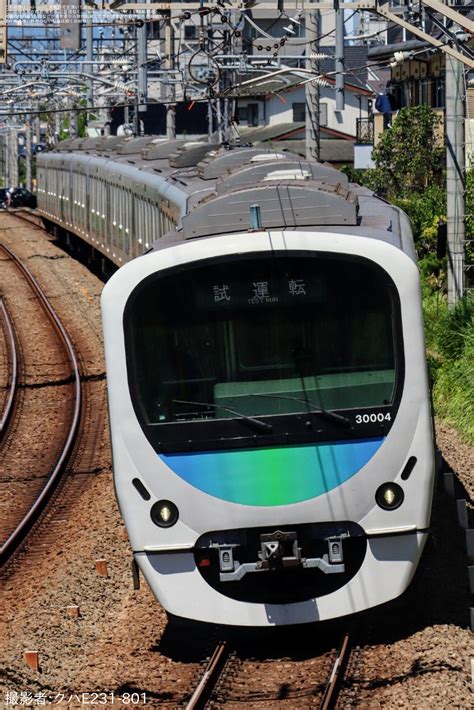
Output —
(256, 335)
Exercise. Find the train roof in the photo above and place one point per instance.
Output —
(214, 190)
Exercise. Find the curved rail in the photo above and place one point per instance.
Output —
(15, 539)
(27, 214)
(206, 685)
(330, 695)
(14, 369)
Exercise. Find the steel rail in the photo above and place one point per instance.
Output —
(28, 215)
(25, 526)
(206, 685)
(12, 346)
(330, 695)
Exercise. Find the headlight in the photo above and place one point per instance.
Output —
(389, 496)
(164, 513)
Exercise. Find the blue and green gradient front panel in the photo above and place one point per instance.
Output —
(275, 475)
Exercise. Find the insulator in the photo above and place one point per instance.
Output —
(320, 81)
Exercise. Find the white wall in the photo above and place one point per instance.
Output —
(280, 109)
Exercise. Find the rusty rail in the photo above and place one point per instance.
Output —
(330, 695)
(16, 538)
(12, 346)
(209, 679)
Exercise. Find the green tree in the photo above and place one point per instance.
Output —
(408, 156)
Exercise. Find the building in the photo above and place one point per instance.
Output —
(273, 103)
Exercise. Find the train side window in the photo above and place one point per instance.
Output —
(120, 213)
(146, 225)
(100, 208)
(142, 227)
(109, 217)
(115, 217)
(156, 226)
(136, 227)
(153, 230)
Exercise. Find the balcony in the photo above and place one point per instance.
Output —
(365, 131)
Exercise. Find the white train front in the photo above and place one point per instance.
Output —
(269, 404)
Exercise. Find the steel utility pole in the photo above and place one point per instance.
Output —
(90, 66)
(142, 82)
(340, 98)
(29, 153)
(57, 120)
(455, 177)
(13, 155)
(3, 167)
(312, 89)
(170, 91)
(3, 31)
(37, 129)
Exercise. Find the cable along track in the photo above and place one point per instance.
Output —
(56, 472)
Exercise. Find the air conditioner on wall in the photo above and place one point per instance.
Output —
(396, 73)
(435, 66)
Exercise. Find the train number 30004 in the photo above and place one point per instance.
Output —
(373, 418)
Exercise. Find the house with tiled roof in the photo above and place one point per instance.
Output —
(283, 99)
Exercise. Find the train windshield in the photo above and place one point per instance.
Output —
(262, 336)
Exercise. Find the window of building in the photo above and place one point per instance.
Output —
(299, 112)
(438, 93)
(241, 114)
(190, 31)
(252, 114)
(153, 30)
(248, 114)
(323, 114)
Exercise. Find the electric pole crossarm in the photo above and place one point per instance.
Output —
(385, 12)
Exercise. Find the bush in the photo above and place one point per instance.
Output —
(450, 348)
(453, 394)
(458, 329)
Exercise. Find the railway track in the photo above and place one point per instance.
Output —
(26, 493)
(231, 680)
(10, 359)
(28, 215)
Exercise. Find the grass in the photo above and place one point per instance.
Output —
(450, 346)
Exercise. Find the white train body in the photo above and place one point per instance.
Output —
(269, 404)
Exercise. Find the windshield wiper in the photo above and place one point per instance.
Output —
(263, 426)
(314, 409)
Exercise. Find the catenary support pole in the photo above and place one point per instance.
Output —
(142, 93)
(339, 56)
(90, 67)
(13, 157)
(312, 89)
(170, 92)
(455, 177)
(29, 154)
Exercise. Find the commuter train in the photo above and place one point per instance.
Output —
(269, 403)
